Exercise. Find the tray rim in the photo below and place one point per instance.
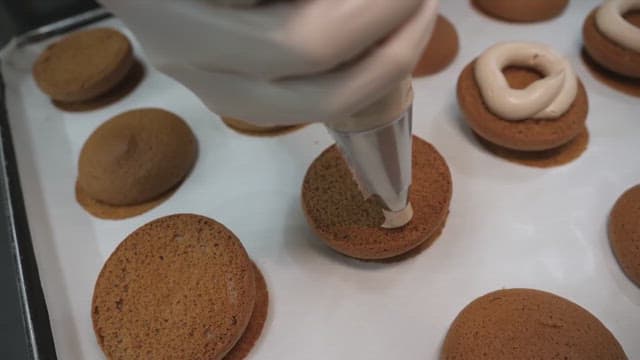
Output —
(4, 126)
(32, 301)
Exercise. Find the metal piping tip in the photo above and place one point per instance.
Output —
(380, 161)
(396, 219)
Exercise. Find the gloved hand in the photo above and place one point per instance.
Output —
(283, 62)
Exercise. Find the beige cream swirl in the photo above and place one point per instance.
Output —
(611, 23)
(549, 97)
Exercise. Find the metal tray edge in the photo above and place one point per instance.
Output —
(32, 301)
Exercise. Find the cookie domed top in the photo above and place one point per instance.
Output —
(522, 10)
(83, 65)
(136, 156)
(528, 324)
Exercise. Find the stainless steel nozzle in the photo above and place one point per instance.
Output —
(380, 160)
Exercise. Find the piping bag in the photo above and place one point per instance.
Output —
(376, 144)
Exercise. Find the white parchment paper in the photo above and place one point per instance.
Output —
(509, 226)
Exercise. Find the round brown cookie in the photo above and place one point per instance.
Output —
(560, 155)
(136, 156)
(83, 65)
(624, 232)
(524, 135)
(528, 324)
(606, 52)
(441, 49)
(246, 128)
(179, 287)
(522, 10)
(243, 347)
(338, 213)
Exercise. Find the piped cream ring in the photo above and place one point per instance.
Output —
(611, 23)
(547, 98)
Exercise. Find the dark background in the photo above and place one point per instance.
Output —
(17, 17)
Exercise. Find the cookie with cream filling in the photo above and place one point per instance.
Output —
(611, 36)
(523, 96)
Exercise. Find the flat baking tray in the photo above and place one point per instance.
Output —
(509, 225)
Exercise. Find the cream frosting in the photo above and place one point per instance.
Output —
(549, 97)
(397, 219)
(611, 23)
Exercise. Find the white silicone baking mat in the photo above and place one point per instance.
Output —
(509, 226)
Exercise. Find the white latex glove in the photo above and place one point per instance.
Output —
(285, 62)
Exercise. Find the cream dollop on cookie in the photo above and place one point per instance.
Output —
(610, 21)
(549, 97)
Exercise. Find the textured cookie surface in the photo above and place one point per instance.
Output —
(522, 10)
(338, 213)
(525, 135)
(136, 156)
(83, 65)
(528, 324)
(441, 49)
(179, 287)
(606, 52)
(624, 232)
(119, 91)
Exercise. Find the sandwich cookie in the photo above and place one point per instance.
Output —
(441, 49)
(611, 36)
(528, 324)
(521, 10)
(179, 287)
(624, 232)
(134, 159)
(350, 224)
(524, 97)
(78, 70)
(561, 155)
